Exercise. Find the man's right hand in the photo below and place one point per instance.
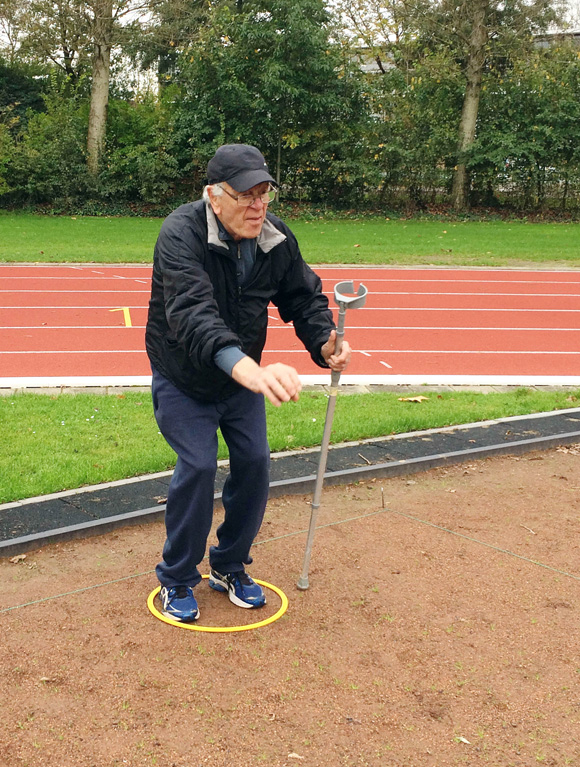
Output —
(278, 382)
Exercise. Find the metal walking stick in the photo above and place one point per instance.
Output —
(344, 302)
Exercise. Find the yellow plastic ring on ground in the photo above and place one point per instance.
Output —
(221, 629)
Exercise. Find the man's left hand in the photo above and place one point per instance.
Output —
(336, 362)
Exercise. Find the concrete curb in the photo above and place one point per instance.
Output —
(293, 486)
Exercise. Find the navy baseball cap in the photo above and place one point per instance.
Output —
(241, 165)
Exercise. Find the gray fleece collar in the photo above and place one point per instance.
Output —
(268, 238)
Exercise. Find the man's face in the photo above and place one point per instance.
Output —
(240, 222)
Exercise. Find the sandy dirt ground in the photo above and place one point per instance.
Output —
(440, 628)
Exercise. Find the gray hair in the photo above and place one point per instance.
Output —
(216, 190)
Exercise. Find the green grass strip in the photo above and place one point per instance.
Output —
(375, 241)
(77, 239)
(440, 243)
(60, 442)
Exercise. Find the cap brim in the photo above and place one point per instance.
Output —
(245, 180)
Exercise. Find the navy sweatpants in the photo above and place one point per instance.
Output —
(190, 427)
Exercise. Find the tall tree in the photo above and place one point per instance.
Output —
(106, 18)
(78, 36)
(266, 72)
(103, 24)
(472, 33)
(172, 26)
(529, 133)
(475, 44)
(55, 32)
(483, 32)
(11, 19)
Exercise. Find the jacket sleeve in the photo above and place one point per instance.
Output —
(300, 300)
(191, 310)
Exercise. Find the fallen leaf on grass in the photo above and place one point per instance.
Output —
(419, 398)
(295, 756)
(18, 558)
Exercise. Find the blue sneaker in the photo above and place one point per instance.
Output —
(241, 589)
(179, 604)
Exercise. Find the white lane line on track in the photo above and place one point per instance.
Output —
(435, 327)
(427, 351)
(286, 327)
(386, 293)
(446, 293)
(384, 379)
(79, 351)
(53, 292)
(451, 280)
(91, 307)
(88, 278)
(85, 278)
(449, 309)
(88, 308)
(71, 327)
(303, 351)
(103, 277)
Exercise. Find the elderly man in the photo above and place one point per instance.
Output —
(218, 263)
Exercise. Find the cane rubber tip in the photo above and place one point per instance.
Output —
(302, 584)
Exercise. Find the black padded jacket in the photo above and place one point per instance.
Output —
(197, 307)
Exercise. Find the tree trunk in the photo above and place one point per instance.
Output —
(103, 34)
(475, 62)
(278, 168)
(565, 192)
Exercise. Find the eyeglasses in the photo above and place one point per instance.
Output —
(245, 200)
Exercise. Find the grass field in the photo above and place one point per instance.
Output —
(70, 440)
(32, 238)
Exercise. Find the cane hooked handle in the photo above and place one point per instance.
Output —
(352, 301)
(345, 298)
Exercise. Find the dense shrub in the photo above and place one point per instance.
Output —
(48, 155)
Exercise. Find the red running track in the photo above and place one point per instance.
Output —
(84, 326)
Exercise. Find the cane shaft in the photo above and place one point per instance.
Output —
(335, 378)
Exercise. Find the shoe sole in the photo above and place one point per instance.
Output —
(217, 586)
(180, 620)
